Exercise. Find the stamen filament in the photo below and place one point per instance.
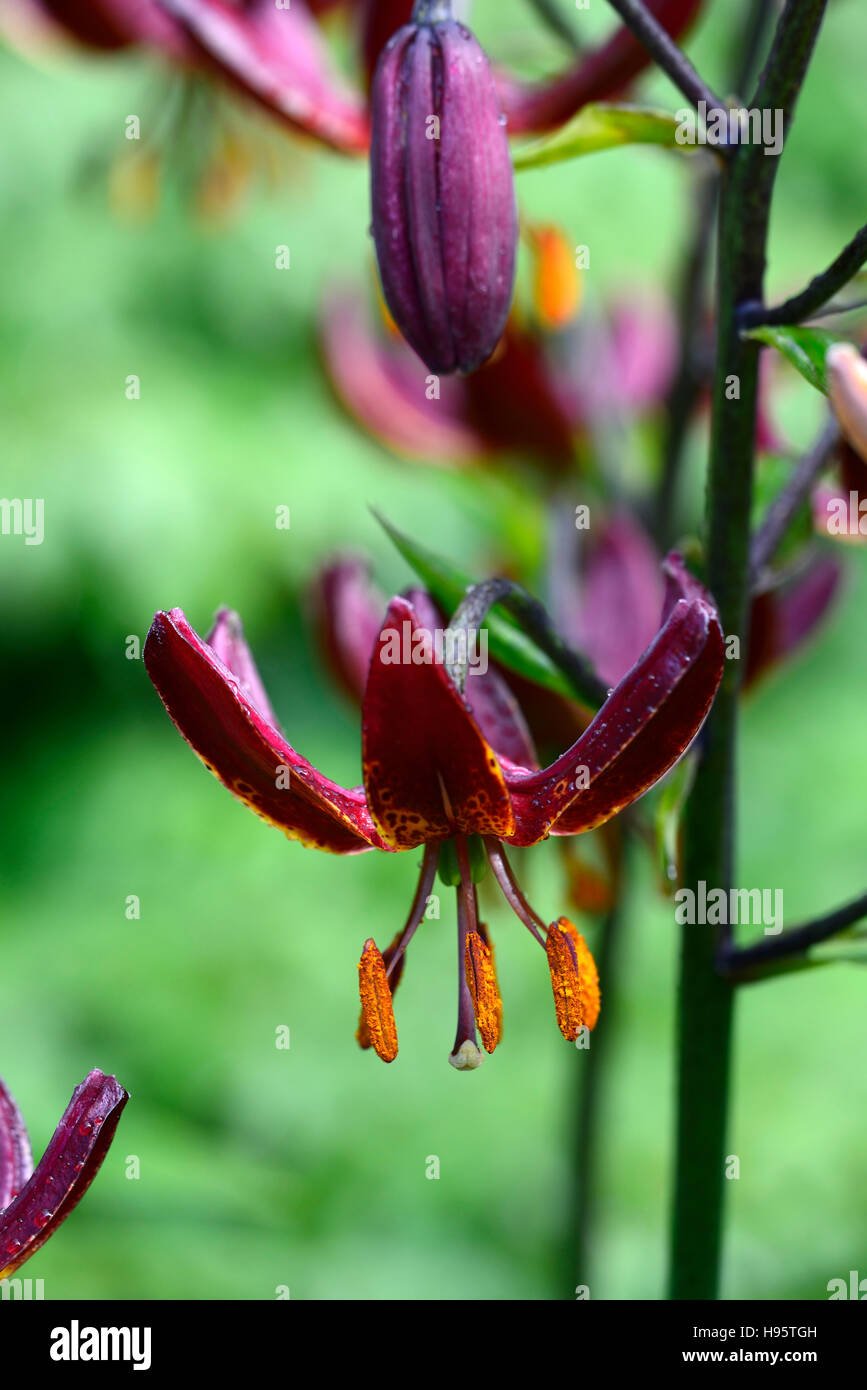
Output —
(512, 893)
(419, 903)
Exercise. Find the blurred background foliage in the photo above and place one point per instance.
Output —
(306, 1167)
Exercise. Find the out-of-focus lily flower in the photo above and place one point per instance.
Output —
(785, 616)
(444, 214)
(618, 574)
(847, 389)
(516, 401)
(595, 76)
(113, 24)
(451, 772)
(278, 57)
(840, 504)
(33, 1204)
(533, 398)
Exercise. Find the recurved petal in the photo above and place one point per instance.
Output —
(643, 728)
(277, 56)
(429, 772)
(226, 638)
(66, 1170)
(112, 24)
(347, 612)
(618, 599)
(384, 386)
(595, 76)
(210, 709)
(783, 619)
(516, 403)
(16, 1163)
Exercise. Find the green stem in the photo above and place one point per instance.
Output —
(706, 999)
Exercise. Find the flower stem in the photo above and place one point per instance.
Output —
(706, 998)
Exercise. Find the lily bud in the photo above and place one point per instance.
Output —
(847, 388)
(444, 215)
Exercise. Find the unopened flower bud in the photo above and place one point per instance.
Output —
(444, 215)
(847, 387)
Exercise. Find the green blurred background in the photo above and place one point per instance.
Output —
(263, 1167)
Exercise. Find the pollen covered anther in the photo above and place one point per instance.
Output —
(377, 1028)
(481, 978)
(574, 979)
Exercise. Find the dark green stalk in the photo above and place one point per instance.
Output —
(705, 1001)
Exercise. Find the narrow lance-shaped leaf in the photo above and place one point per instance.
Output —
(604, 127)
(507, 644)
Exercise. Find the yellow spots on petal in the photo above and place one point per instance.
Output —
(481, 979)
(377, 1028)
(574, 979)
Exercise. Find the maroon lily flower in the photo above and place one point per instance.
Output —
(596, 76)
(453, 773)
(33, 1204)
(278, 57)
(534, 398)
(116, 24)
(515, 403)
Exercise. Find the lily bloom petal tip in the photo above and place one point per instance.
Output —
(64, 1173)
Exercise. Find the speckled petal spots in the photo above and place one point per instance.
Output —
(210, 708)
(428, 771)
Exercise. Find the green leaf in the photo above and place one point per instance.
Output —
(507, 644)
(600, 126)
(669, 815)
(805, 348)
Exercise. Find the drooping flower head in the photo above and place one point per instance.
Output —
(451, 772)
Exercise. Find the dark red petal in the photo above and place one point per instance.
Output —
(384, 385)
(642, 729)
(515, 402)
(67, 1168)
(617, 598)
(347, 613)
(595, 76)
(226, 638)
(428, 770)
(277, 56)
(209, 708)
(783, 619)
(116, 24)
(493, 706)
(16, 1162)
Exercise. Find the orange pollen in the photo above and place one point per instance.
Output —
(574, 979)
(481, 978)
(556, 283)
(377, 1027)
